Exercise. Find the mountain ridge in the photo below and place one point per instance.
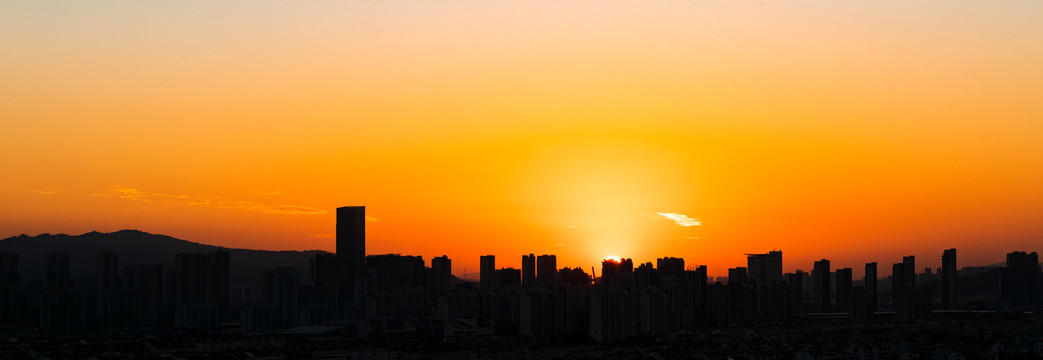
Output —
(137, 247)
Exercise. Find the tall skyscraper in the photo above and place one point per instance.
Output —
(528, 269)
(765, 268)
(9, 269)
(870, 285)
(146, 282)
(351, 251)
(442, 268)
(10, 282)
(795, 281)
(56, 272)
(821, 288)
(546, 268)
(1019, 281)
(203, 279)
(843, 289)
(903, 289)
(188, 278)
(909, 271)
(487, 278)
(107, 282)
(948, 275)
(218, 281)
(280, 289)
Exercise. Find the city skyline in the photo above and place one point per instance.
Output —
(354, 285)
(351, 224)
(852, 132)
(361, 302)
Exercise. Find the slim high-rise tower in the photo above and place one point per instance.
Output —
(108, 282)
(442, 268)
(870, 282)
(487, 268)
(949, 279)
(843, 289)
(903, 289)
(9, 285)
(351, 251)
(528, 269)
(820, 290)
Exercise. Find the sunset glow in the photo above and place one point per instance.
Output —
(854, 132)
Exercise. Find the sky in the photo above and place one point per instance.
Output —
(851, 131)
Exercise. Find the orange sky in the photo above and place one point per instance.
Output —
(853, 132)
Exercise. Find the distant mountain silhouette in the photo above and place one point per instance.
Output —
(141, 248)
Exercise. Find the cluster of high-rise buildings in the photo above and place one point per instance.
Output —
(194, 294)
(388, 295)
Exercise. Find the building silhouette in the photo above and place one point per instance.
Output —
(442, 273)
(738, 276)
(870, 281)
(546, 268)
(145, 285)
(528, 269)
(403, 301)
(843, 289)
(10, 286)
(324, 274)
(281, 288)
(56, 273)
(508, 277)
(351, 253)
(110, 302)
(61, 307)
(821, 289)
(1019, 281)
(487, 276)
(948, 277)
(617, 273)
(795, 282)
(910, 301)
(765, 268)
(201, 286)
(670, 264)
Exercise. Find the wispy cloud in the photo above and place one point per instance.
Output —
(43, 192)
(371, 219)
(287, 210)
(128, 193)
(259, 192)
(681, 219)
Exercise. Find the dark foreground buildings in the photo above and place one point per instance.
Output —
(391, 297)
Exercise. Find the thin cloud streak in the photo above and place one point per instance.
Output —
(681, 219)
(133, 194)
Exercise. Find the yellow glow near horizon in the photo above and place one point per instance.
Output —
(854, 132)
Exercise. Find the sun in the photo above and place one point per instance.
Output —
(612, 257)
